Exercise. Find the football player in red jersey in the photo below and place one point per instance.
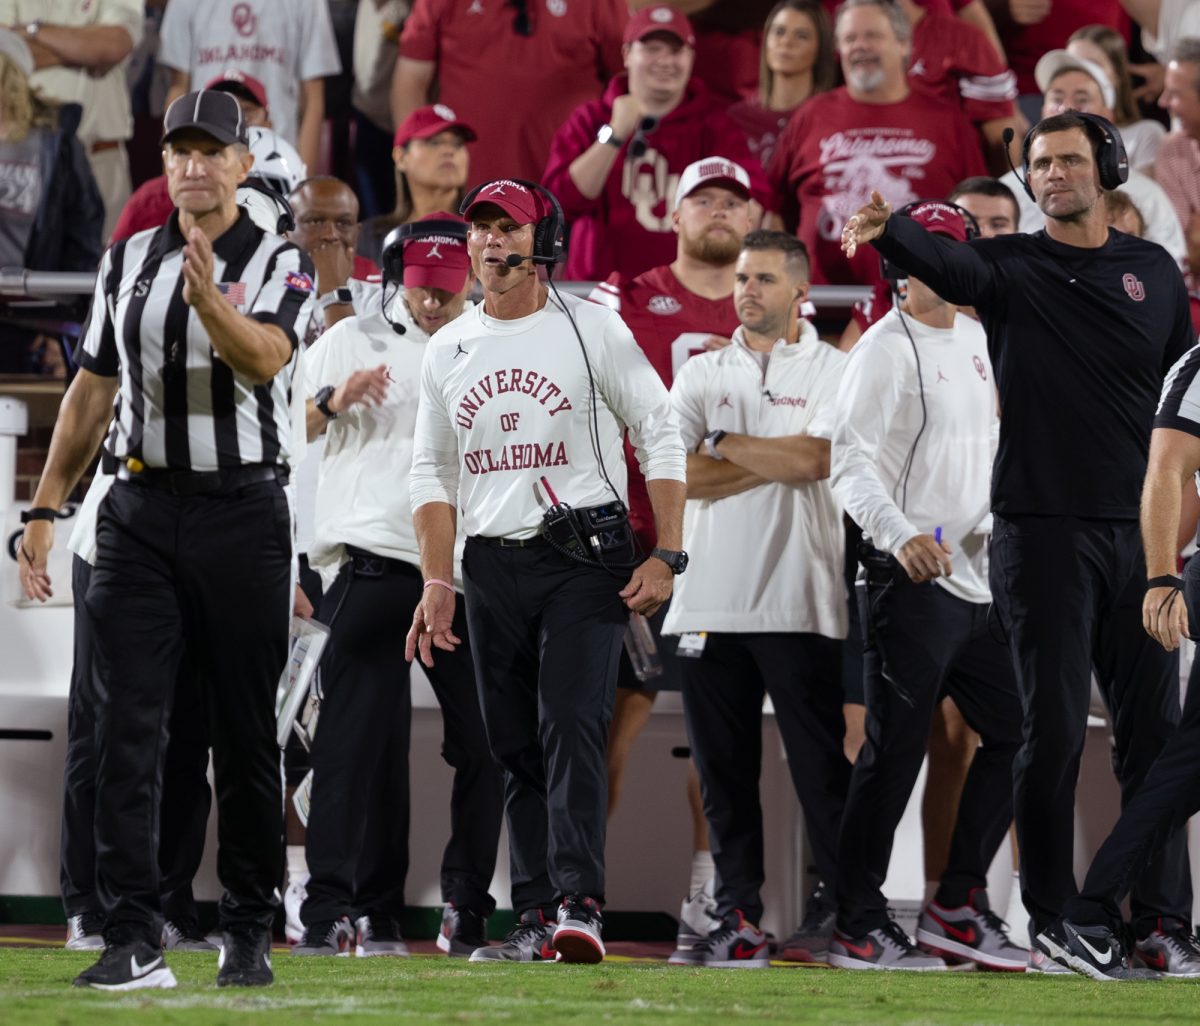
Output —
(675, 311)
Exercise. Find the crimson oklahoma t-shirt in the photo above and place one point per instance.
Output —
(515, 90)
(955, 62)
(670, 324)
(835, 151)
(1025, 44)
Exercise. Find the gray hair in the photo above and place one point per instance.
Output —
(895, 14)
(1187, 51)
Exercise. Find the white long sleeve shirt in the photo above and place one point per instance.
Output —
(878, 419)
(768, 559)
(506, 402)
(362, 493)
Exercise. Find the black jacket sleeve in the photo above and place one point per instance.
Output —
(956, 271)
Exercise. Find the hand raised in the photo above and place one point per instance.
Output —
(866, 225)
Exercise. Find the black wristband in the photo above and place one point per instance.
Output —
(1166, 581)
(38, 513)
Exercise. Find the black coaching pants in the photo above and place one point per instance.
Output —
(923, 643)
(723, 693)
(357, 838)
(546, 635)
(1069, 593)
(1167, 797)
(210, 576)
(186, 794)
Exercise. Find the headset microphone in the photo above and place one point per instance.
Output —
(516, 260)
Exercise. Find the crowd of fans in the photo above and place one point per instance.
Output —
(607, 104)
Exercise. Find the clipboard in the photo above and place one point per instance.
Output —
(296, 697)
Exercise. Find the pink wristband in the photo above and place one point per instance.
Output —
(434, 580)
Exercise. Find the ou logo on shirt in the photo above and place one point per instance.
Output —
(244, 20)
(648, 184)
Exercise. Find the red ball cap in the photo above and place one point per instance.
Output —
(240, 84)
(521, 203)
(942, 219)
(650, 20)
(438, 260)
(426, 122)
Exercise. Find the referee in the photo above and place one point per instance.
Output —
(193, 332)
(1082, 322)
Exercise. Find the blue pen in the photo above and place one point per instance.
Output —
(937, 535)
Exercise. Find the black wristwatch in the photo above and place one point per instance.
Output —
(38, 513)
(607, 137)
(711, 441)
(321, 400)
(336, 297)
(677, 561)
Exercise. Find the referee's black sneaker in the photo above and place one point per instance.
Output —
(134, 965)
(577, 937)
(1093, 951)
(245, 959)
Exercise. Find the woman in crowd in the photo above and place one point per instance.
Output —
(797, 62)
(432, 163)
(1105, 46)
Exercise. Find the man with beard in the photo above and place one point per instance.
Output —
(756, 418)
(876, 132)
(675, 311)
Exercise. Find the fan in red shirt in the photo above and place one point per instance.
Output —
(875, 133)
(514, 71)
(616, 162)
(797, 62)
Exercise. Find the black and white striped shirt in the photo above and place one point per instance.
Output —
(179, 405)
(1179, 404)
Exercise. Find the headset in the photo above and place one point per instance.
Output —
(548, 247)
(548, 250)
(893, 275)
(1112, 162)
(392, 258)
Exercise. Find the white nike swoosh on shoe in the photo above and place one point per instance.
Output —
(1102, 959)
(141, 970)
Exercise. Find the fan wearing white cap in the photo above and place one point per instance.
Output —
(1069, 82)
(675, 311)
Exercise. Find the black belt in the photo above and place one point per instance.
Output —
(536, 542)
(202, 482)
(368, 564)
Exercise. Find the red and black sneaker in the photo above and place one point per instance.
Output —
(531, 940)
(971, 933)
(735, 944)
(577, 938)
(887, 947)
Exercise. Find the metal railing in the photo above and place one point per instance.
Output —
(21, 283)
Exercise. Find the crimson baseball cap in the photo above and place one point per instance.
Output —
(426, 122)
(240, 84)
(941, 219)
(207, 110)
(650, 20)
(712, 171)
(519, 202)
(438, 260)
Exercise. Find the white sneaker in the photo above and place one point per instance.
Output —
(293, 898)
(697, 918)
(84, 932)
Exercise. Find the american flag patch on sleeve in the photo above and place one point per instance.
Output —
(234, 291)
(299, 281)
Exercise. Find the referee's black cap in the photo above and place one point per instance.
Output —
(211, 111)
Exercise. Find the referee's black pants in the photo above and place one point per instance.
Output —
(358, 824)
(1069, 593)
(546, 635)
(923, 643)
(210, 574)
(1162, 805)
(723, 693)
(186, 795)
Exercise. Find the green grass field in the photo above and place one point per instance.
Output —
(35, 989)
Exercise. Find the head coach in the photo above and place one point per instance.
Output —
(524, 401)
(192, 330)
(1083, 322)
